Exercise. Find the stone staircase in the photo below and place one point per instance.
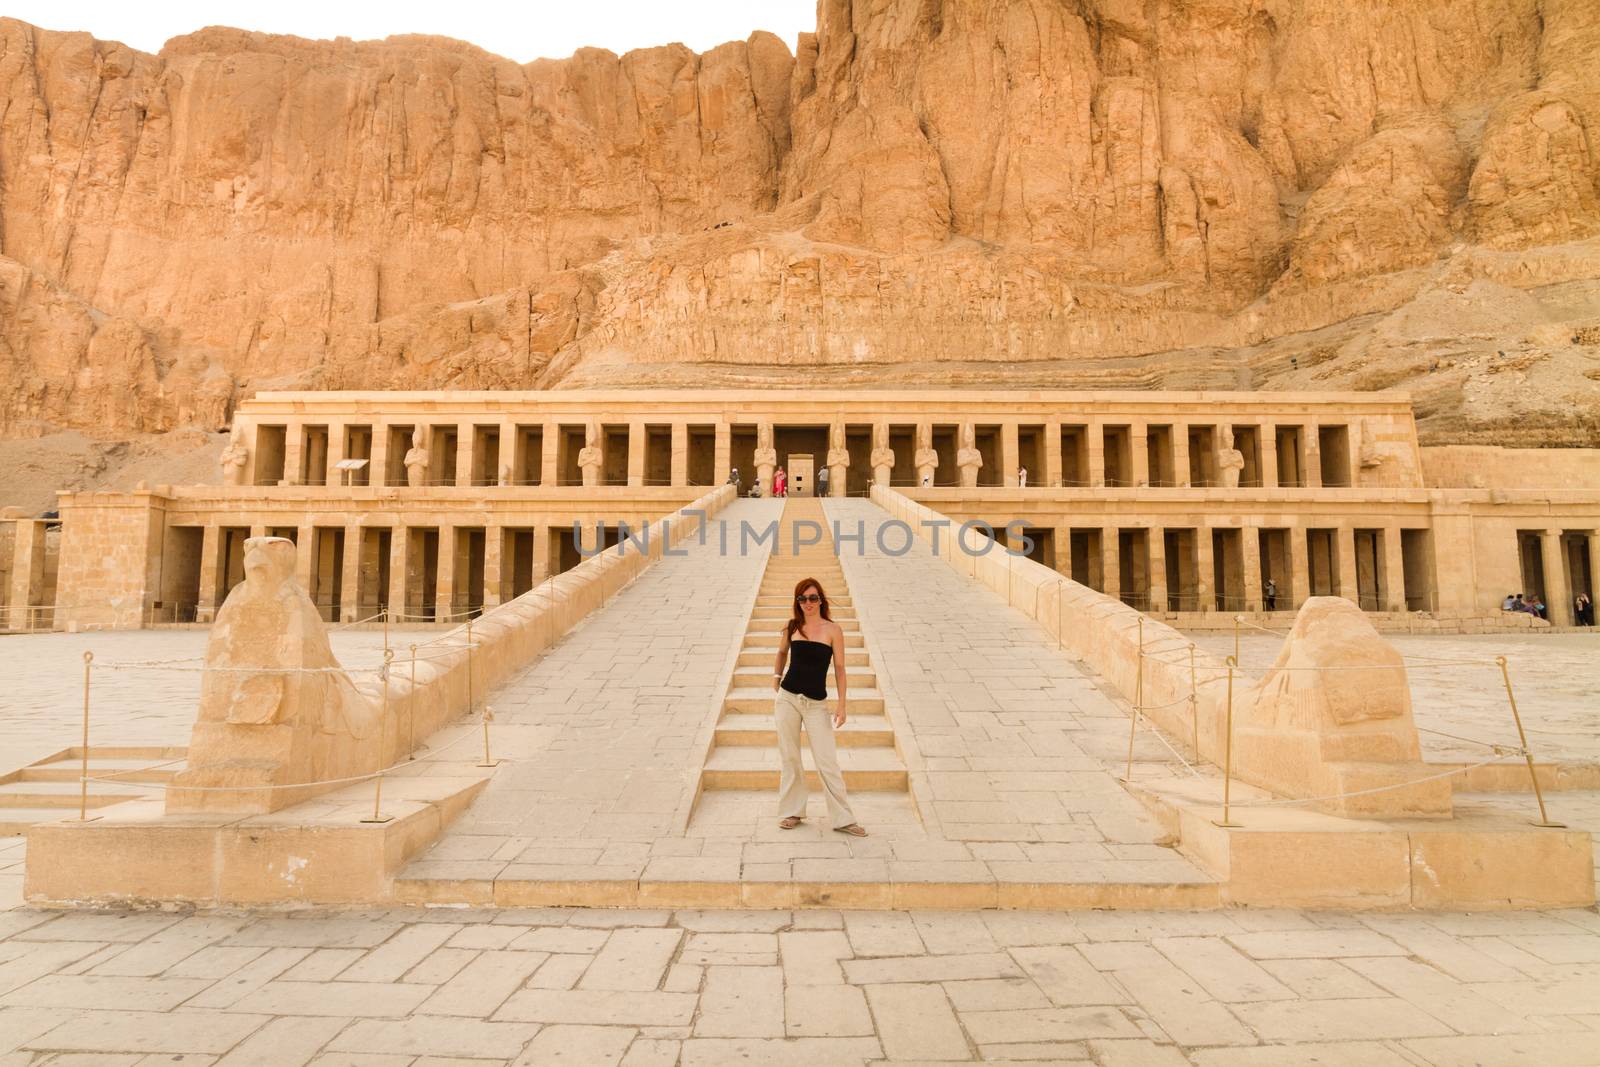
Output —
(744, 755)
(48, 790)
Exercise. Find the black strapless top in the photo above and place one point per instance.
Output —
(808, 668)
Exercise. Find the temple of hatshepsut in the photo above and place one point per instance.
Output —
(1183, 505)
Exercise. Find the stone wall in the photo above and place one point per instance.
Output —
(1493, 467)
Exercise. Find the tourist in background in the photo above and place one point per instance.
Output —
(822, 482)
(733, 480)
(810, 641)
(1583, 609)
(780, 483)
(1022, 477)
(1270, 592)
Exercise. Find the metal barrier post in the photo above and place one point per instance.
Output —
(83, 753)
(1227, 755)
(488, 715)
(1138, 701)
(411, 710)
(383, 744)
(1544, 817)
(1194, 704)
(1237, 619)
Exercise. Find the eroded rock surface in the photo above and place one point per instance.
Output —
(1235, 193)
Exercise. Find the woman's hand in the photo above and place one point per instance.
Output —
(838, 715)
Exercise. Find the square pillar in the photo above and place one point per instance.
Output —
(294, 450)
(465, 446)
(398, 537)
(1594, 563)
(336, 447)
(350, 574)
(1394, 571)
(210, 574)
(636, 453)
(258, 530)
(1205, 577)
(445, 592)
(680, 453)
(1557, 597)
(1157, 538)
(1110, 562)
(1180, 453)
(724, 454)
(1052, 457)
(494, 538)
(304, 560)
(1348, 584)
(27, 571)
(1139, 453)
(1008, 455)
(378, 465)
(550, 444)
(1063, 538)
(1298, 587)
(541, 553)
(1267, 434)
(1096, 447)
(1311, 453)
(1250, 555)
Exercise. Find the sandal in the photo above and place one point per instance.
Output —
(790, 822)
(855, 829)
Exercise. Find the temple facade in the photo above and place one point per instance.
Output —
(1192, 506)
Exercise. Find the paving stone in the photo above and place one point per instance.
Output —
(353, 999)
(289, 1041)
(598, 1007)
(577, 1046)
(632, 959)
(1441, 996)
(1222, 971)
(146, 1031)
(916, 1022)
(440, 965)
(741, 1002)
(931, 968)
(249, 978)
(886, 933)
(1177, 1003)
(995, 994)
(1338, 1020)
(1138, 1052)
(1312, 944)
(1318, 1054)
(1046, 1024)
(811, 957)
(826, 1011)
(561, 939)
(407, 948)
(97, 991)
(560, 971)
(323, 964)
(1518, 1050)
(435, 1036)
(483, 984)
(1064, 976)
(1320, 979)
(778, 1052)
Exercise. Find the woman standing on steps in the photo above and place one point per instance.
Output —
(814, 639)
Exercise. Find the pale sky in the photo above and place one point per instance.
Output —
(519, 31)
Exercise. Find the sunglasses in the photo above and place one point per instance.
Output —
(809, 598)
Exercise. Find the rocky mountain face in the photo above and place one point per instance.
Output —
(1133, 193)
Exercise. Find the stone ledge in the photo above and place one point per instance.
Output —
(1481, 859)
(318, 852)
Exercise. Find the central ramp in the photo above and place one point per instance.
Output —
(644, 766)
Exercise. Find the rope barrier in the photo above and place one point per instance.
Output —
(1297, 801)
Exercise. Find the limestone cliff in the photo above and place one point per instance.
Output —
(1243, 193)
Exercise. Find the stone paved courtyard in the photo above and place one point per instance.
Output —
(408, 988)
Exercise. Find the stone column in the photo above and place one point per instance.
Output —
(304, 557)
(636, 451)
(294, 452)
(1250, 560)
(680, 453)
(1063, 536)
(398, 536)
(494, 538)
(1110, 562)
(1594, 564)
(724, 453)
(1139, 453)
(1311, 456)
(350, 574)
(1205, 568)
(466, 445)
(882, 457)
(378, 465)
(258, 530)
(1180, 453)
(1293, 592)
(1052, 453)
(1096, 447)
(541, 553)
(1267, 434)
(1157, 536)
(445, 586)
(1345, 546)
(27, 570)
(336, 444)
(1557, 597)
(550, 455)
(1394, 570)
(1008, 455)
(210, 573)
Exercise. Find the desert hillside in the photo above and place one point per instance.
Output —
(1134, 193)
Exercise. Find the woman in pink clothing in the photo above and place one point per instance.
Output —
(780, 483)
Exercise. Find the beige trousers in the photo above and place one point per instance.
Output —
(789, 711)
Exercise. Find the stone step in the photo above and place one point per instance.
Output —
(757, 701)
(775, 626)
(15, 821)
(750, 658)
(782, 611)
(745, 730)
(34, 795)
(758, 677)
(126, 770)
(767, 637)
(784, 600)
(756, 767)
